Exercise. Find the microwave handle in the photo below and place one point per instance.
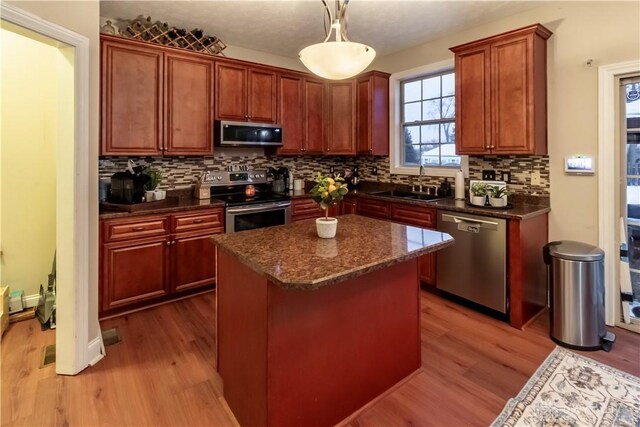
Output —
(256, 208)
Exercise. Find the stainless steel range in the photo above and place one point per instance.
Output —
(249, 201)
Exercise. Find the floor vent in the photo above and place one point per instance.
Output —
(111, 336)
(48, 355)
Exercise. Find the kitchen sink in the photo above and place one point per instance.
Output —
(406, 195)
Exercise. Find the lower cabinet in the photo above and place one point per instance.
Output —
(306, 208)
(147, 259)
(420, 216)
(348, 206)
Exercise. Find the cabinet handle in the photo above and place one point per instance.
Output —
(137, 229)
(197, 220)
(168, 243)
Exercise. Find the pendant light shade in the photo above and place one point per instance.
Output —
(339, 59)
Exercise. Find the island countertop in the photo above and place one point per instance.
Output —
(294, 257)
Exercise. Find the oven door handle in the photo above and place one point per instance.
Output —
(258, 208)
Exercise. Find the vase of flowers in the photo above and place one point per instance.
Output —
(151, 187)
(478, 194)
(328, 191)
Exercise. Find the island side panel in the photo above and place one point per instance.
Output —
(334, 349)
(242, 339)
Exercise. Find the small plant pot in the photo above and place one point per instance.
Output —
(498, 202)
(150, 196)
(326, 227)
(160, 194)
(478, 200)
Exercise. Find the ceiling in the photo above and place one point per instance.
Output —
(284, 27)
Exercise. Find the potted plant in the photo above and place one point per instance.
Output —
(151, 187)
(498, 196)
(328, 191)
(478, 194)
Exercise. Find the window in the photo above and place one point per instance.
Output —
(427, 121)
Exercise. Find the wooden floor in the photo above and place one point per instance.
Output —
(162, 373)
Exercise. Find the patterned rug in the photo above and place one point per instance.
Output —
(571, 390)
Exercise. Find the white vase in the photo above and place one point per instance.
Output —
(326, 228)
(478, 200)
(160, 194)
(150, 196)
(498, 202)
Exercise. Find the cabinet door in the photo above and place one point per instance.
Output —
(134, 271)
(348, 206)
(428, 269)
(131, 93)
(342, 118)
(473, 106)
(194, 261)
(372, 114)
(314, 114)
(188, 105)
(231, 92)
(262, 96)
(290, 114)
(511, 95)
(364, 116)
(373, 208)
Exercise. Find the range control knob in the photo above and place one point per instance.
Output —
(251, 176)
(219, 178)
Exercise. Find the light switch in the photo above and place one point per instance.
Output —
(535, 177)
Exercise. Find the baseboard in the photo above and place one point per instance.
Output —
(94, 351)
(31, 300)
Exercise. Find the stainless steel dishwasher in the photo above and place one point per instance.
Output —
(475, 267)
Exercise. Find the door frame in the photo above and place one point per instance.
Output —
(74, 352)
(608, 124)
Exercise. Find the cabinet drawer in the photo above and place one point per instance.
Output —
(197, 221)
(127, 228)
(414, 215)
(304, 207)
(373, 208)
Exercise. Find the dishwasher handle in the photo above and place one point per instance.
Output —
(470, 225)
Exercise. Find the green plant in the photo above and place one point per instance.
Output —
(479, 189)
(328, 191)
(497, 192)
(155, 176)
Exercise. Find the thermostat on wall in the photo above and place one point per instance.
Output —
(579, 165)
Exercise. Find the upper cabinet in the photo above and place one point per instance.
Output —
(314, 111)
(341, 131)
(501, 93)
(372, 122)
(154, 101)
(290, 113)
(245, 93)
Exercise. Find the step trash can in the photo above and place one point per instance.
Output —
(576, 295)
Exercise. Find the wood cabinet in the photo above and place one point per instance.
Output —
(306, 208)
(314, 116)
(501, 105)
(372, 119)
(291, 113)
(147, 259)
(188, 100)
(131, 99)
(154, 100)
(349, 206)
(245, 93)
(341, 117)
(373, 208)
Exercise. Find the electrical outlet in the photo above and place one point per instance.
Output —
(505, 176)
(535, 177)
(374, 171)
(331, 170)
(488, 175)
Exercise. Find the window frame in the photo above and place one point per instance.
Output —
(396, 98)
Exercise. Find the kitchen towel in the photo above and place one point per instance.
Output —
(459, 185)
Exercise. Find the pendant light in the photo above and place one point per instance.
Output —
(339, 59)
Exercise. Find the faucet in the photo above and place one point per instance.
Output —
(420, 179)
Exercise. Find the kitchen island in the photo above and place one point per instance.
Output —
(309, 330)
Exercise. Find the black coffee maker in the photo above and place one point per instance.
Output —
(128, 187)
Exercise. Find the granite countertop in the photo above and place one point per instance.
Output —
(181, 204)
(294, 257)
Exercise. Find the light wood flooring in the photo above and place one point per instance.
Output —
(163, 373)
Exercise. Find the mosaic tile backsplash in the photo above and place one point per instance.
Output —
(180, 172)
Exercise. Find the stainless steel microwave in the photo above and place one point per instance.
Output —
(247, 134)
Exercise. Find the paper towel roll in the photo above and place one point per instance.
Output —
(459, 185)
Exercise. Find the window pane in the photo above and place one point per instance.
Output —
(412, 91)
(411, 154)
(431, 109)
(448, 154)
(430, 134)
(411, 112)
(448, 107)
(431, 88)
(448, 84)
(411, 135)
(448, 133)
(430, 161)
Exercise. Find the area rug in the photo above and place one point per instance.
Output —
(572, 390)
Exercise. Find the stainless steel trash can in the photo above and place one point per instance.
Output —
(576, 295)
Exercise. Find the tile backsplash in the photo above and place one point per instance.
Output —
(181, 171)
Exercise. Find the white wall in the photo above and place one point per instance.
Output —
(82, 17)
(605, 31)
